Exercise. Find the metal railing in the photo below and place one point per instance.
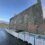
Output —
(32, 38)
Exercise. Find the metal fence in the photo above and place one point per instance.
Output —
(32, 38)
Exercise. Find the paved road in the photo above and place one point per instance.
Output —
(6, 39)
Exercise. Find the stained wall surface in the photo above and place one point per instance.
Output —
(29, 19)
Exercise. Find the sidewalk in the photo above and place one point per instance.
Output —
(12, 32)
(15, 34)
(28, 37)
(22, 36)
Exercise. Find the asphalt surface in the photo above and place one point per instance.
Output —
(6, 38)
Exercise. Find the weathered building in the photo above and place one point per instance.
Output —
(28, 19)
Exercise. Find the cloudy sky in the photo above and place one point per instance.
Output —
(9, 8)
(43, 7)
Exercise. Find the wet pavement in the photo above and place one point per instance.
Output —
(7, 39)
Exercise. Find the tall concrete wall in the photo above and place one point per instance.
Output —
(28, 19)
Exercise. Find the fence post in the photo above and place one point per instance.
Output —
(34, 40)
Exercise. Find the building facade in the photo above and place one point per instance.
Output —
(29, 19)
